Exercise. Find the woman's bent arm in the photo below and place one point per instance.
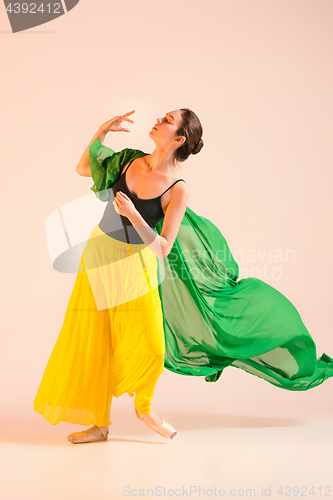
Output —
(83, 167)
(161, 244)
(113, 125)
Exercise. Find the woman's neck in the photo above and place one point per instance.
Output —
(161, 161)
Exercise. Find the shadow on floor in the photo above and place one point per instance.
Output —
(127, 428)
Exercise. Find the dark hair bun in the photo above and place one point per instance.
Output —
(191, 129)
(197, 147)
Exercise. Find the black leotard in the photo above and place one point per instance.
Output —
(150, 209)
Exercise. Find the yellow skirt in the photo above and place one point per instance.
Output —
(112, 338)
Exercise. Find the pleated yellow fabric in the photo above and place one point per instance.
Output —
(112, 339)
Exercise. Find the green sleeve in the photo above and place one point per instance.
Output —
(106, 165)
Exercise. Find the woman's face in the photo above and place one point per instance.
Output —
(163, 132)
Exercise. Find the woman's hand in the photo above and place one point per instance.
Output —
(123, 205)
(114, 125)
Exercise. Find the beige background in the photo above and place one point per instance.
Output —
(259, 76)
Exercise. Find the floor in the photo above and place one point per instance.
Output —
(238, 437)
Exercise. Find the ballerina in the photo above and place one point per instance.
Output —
(177, 303)
(112, 338)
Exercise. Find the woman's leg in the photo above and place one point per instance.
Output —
(145, 392)
(77, 384)
(138, 334)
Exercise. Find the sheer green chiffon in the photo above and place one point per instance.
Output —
(212, 319)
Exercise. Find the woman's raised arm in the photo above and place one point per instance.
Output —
(83, 167)
(113, 125)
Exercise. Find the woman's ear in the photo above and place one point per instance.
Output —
(181, 139)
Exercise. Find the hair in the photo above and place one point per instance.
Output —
(191, 128)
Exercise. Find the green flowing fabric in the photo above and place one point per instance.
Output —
(211, 318)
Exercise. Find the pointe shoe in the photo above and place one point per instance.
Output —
(165, 429)
(87, 437)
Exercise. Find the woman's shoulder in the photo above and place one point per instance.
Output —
(129, 154)
(180, 188)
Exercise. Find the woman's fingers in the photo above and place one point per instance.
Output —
(123, 195)
(126, 119)
(124, 116)
(120, 198)
(129, 113)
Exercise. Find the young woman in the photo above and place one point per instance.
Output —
(125, 316)
(112, 338)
